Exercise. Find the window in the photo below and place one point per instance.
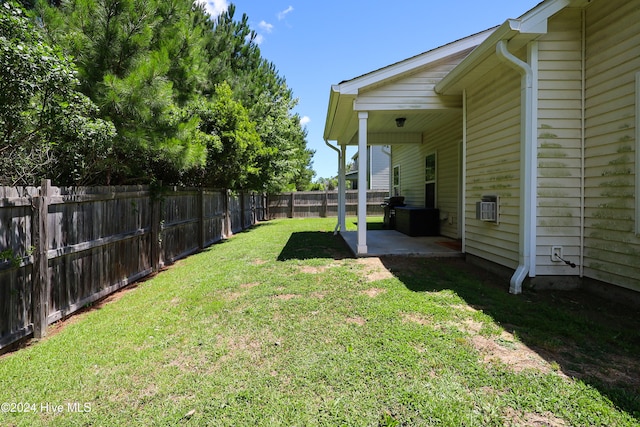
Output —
(430, 174)
(396, 181)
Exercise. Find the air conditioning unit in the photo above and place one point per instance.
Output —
(487, 209)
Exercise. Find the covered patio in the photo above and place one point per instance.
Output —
(398, 106)
(392, 242)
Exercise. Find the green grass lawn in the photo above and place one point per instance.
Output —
(281, 326)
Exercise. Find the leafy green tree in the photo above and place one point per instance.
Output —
(236, 58)
(139, 60)
(234, 147)
(161, 71)
(44, 120)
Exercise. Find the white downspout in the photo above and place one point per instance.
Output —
(527, 166)
(340, 174)
(342, 189)
(463, 187)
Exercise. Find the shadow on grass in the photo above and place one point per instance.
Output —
(590, 339)
(314, 244)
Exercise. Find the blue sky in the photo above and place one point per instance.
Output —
(314, 44)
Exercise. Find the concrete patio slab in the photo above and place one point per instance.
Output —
(392, 242)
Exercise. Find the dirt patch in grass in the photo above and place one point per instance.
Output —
(418, 318)
(239, 345)
(531, 419)
(374, 292)
(313, 270)
(374, 269)
(463, 307)
(286, 297)
(470, 326)
(356, 320)
(250, 285)
(232, 296)
(507, 350)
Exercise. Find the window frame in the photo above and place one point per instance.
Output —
(431, 173)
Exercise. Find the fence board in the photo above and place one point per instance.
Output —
(99, 239)
(321, 204)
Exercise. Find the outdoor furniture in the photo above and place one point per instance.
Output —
(415, 221)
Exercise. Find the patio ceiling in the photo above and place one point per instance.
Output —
(382, 128)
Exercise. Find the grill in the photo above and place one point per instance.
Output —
(389, 205)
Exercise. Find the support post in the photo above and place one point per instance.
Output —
(363, 116)
(41, 283)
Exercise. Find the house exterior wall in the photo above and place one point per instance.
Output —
(612, 248)
(445, 143)
(493, 165)
(415, 90)
(559, 190)
(379, 170)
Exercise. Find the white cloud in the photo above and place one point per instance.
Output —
(259, 39)
(283, 14)
(304, 120)
(214, 7)
(266, 26)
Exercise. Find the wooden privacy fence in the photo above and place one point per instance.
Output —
(63, 248)
(321, 204)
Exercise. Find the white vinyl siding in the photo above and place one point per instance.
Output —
(559, 143)
(493, 164)
(415, 90)
(612, 248)
(379, 171)
(444, 141)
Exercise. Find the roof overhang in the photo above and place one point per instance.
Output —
(341, 122)
(518, 32)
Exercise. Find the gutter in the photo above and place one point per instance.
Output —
(528, 153)
(505, 31)
(340, 184)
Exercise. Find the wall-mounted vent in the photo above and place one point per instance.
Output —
(487, 209)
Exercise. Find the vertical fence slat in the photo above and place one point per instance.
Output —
(40, 277)
(89, 242)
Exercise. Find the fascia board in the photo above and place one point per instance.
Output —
(352, 87)
(478, 55)
(533, 22)
(334, 98)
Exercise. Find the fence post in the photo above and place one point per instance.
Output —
(242, 208)
(227, 213)
(41, 282)
(325, 202)
(201, 212)
(156, 217)
(293, 198)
